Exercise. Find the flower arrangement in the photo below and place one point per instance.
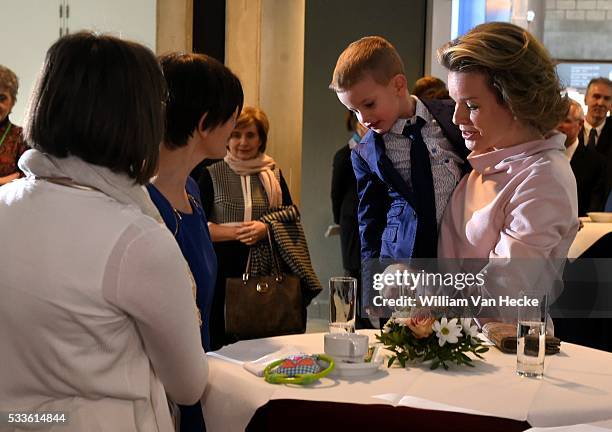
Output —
(422, 335)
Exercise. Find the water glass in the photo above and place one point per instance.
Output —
(342, 304)
(531, 337)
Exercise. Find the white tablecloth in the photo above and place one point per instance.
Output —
(588, 234)
(577, 387)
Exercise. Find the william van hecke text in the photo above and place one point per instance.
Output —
(447, 301)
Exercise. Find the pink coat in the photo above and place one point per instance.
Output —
(518, 202)
(518, 209)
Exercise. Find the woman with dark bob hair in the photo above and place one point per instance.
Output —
(517, 208)
(97, 303)
(204, 100)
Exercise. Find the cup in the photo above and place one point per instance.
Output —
(346, 347)
(531, 336)
(342, 304)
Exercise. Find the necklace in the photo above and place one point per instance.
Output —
(8, 128)
(177, 215)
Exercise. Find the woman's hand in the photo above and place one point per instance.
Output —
(220, 232)
(252, 232)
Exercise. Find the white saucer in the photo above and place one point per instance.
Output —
(343, 369)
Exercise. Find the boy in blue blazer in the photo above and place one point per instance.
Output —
(408, 163)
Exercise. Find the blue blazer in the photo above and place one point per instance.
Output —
(388, 222)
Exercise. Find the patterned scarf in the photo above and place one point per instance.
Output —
(263, 166)
(289, 243)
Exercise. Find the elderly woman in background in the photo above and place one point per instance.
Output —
(519, 202)
(12, 145)
(98, 315)
(236, 192)
(204, 100)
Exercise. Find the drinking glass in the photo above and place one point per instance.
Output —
(342, 304)
(531, 336)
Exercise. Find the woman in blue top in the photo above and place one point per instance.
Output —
(204, 100)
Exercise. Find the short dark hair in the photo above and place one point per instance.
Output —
(99, 98)
(197, 85)
(598, 80)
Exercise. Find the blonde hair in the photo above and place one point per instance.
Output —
(519, 68)
(9, 82)
(575, 110)
(371, 54)
(259, 119)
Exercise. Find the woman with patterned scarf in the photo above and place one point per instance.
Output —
(236, 193)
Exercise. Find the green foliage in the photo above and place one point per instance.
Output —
(407, 347)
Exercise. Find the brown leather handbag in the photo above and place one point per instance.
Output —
(264, 306)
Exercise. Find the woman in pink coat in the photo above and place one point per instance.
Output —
(517, 208)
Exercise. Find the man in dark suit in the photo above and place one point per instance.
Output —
(345, 200)
(597, 130)
(344, 207)
(588, 165)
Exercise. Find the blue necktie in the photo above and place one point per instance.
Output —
(426, 242)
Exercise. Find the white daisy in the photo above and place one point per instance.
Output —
(447, 331)
(387, 326)
(402, 321)
(468, 329)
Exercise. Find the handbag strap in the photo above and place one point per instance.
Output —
(247, 271)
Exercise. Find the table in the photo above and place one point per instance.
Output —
(577, 388)
(587, 236)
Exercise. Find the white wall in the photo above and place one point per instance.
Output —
(35, 24)
(265, 49)
(438, 33)
(24, 40)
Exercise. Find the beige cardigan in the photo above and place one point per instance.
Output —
(97, 317)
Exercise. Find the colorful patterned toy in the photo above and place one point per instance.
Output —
(298, 369)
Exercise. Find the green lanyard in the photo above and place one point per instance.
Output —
(8, 128)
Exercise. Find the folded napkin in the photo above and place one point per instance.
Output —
(256, 367)
(503, 335)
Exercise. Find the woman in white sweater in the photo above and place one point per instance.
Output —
(97, 319)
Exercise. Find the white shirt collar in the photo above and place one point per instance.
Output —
(587, 130)
(569, 151)
(420, 110)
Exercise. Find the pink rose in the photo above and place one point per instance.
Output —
(421, 326)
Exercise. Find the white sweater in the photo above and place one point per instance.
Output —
(97, 315)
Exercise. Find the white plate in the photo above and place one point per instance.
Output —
(355, 369)
(605, 217)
